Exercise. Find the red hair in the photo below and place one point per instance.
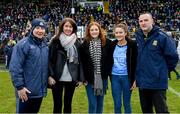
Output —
(88, 37)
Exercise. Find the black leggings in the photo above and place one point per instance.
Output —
(57, 91)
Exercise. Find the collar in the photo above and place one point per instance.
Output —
(36, 40)
(154, 29)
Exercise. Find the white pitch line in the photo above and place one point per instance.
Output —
(4, 70)
(174, 91)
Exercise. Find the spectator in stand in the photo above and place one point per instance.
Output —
(174, 70)
(8, 51)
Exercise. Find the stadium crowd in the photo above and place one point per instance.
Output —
(14, 17)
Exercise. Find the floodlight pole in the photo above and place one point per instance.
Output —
(72, 3)
(72, 9)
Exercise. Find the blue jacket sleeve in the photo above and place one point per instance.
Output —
(16, 66)
(170, 53)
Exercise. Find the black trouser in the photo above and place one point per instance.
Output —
(8, 61)
(32, 105)
(150, 98)
(57, 91)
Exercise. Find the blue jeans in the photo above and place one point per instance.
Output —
(95, 102)
(121, 88)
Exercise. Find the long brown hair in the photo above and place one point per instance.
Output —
(88, 37)
(61, 24)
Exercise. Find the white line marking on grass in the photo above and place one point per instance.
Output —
(174, 91)
(4, 71)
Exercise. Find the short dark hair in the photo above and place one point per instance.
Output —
(146, 12)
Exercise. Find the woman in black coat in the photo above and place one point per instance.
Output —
(94, 55)
(65, 70)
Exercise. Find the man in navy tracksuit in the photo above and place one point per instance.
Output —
(156, 55)
(29, 69)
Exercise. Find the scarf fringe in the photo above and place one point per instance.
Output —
(98, 92)
(95, 53)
